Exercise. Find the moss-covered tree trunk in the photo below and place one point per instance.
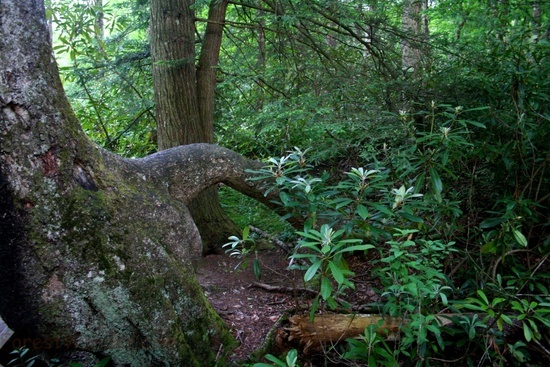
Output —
(97, 251)
(184, 96)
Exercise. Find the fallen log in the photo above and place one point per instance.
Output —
(327, 330)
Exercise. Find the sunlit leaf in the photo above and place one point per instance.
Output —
(246, 232)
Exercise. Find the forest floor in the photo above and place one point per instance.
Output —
(249, 309)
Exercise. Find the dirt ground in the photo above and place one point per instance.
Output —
(250, 311)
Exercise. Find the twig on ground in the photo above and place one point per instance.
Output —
(290, 290)
(284, 246)
(275, 241)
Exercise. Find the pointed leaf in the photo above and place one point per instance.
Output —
(437, 185)
(336, 272)
(527, 332)
(257, 269)
(381, 208)
(314, 308)
(362, 211)
(411, 217)
(246, 232)
(483, 296)
(474, 123)
(310, 273)
(326, 288)
(356, 248)
(491, 222)
(275, 360)
(341, 203)
(520, 238)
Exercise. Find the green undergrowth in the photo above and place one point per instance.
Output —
(245, 211)
(412, 206)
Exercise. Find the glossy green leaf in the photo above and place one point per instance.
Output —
(275, 360)
(411, 217)
(257, 269)
(482, 295)
(491, 222)
(527, 332)
(312, 271)
(437, 185)
(336, 272)
(520, 238)
(326, 288)
(362, 211)
(381, 208)
(246, 232)
(291, 358)
(356, 248)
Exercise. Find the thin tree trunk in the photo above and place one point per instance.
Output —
(426, 19)
(213, 224)
(207, 67)
(99, 19)
(410, 53)
(262, 58)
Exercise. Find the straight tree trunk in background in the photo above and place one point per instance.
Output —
(411, 23)
(413, 47)
(99, 19)
(184, 96)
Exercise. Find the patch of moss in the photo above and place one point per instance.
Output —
(86, 223)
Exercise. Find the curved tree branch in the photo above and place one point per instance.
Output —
(185, 171)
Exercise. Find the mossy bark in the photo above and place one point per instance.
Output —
(97, 251)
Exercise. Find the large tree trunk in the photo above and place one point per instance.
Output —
(97, 251)
(184, 96)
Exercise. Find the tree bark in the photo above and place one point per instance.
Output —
(97, 251)
(410, 50)
(184, 96)
(174, 79)
(328, 330)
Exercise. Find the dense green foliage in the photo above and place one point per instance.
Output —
(105, 64)
(441, 168)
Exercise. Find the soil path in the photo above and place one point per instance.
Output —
(250, 312)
